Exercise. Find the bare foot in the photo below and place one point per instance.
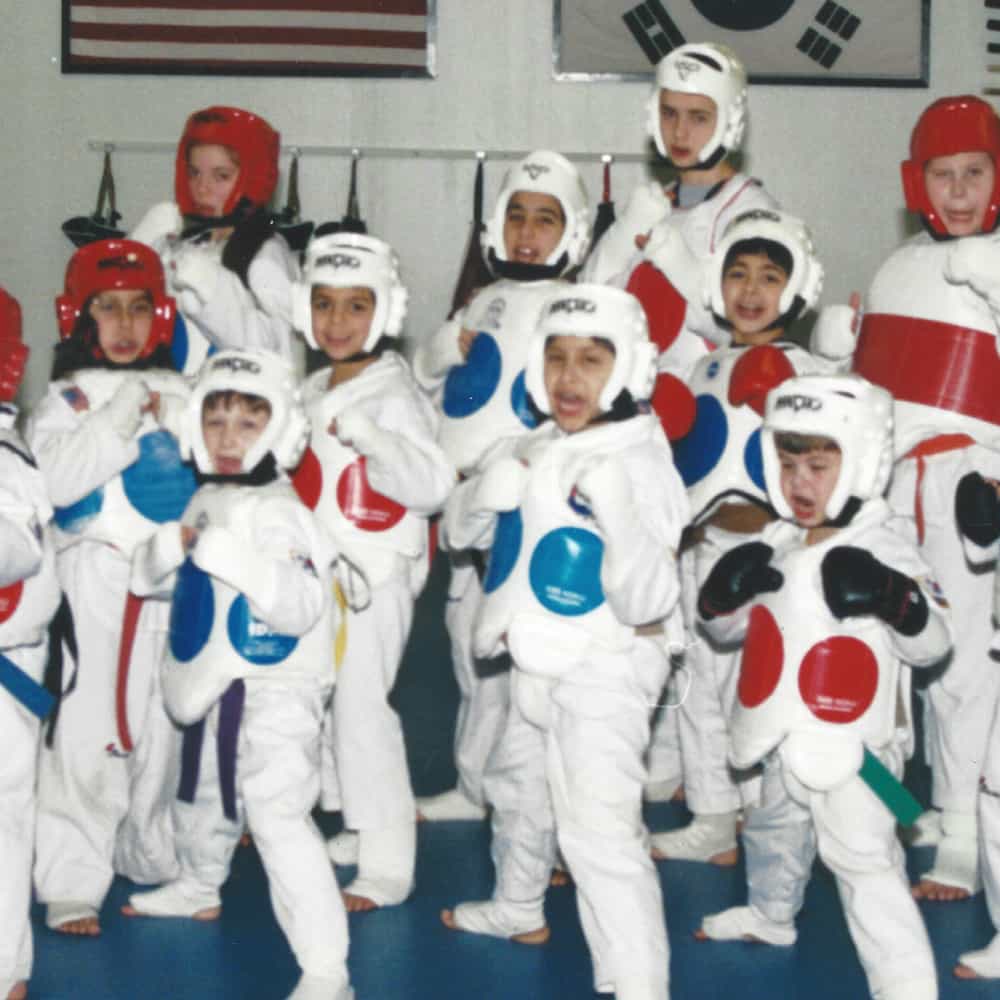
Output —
(246, 840)
(937, 892)
(539, 936)
(84, 927)
(358, 904)
(18, 991)
(679, 795)
(559, 878)
(700, 935)
(964, 972)
(209, 913)
(724, 859)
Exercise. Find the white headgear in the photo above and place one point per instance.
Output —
(255, 373)
(804, 283)
(850, 410)
(348, 260)
(591, 310)
(714, 71)
(546, 173)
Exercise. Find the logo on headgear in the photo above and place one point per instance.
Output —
(535, 170)
(336, 260)
(757, 215)
(572, 306)
(124, 262)
(208, 117)
(798, 402)
(685, 67)
(236, 365)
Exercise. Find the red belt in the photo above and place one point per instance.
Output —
(932, 446)
(936, 364)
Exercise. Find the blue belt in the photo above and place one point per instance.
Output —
(25, 689)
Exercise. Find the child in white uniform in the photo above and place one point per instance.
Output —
(230, 269)
(929, 335)
(696, 116)
(474, 366)
(763, 275)
(103, 436)
(29, 595)
(248, 670)
(374, 475)
(831, 601)
(584, 517)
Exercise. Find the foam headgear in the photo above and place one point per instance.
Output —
(713, 71)
(116, 265)
(253, 373)
(592, 310)
(951, 125)
(850, 410)
(348, 260)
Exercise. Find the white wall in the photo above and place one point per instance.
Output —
(829, 154)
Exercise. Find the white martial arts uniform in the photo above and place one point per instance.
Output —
(589, 555)
(378, 523)
(113, 476)
(947, 422)
(29, 595)
(810, 719)
(677, 318)
(250, 609)
(720, 462)
(217, 309)
(482, 401)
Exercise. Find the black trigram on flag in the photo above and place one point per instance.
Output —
(835, 19)
(654, 29)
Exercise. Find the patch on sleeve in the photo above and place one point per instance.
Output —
(934, 589)
(302, 559)
(76, 398)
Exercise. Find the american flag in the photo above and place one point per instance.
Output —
(259, 37)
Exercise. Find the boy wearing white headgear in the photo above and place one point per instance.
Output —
(831, 603)
(582, 517)
(474, 367)
(374, 474)
(248, 671)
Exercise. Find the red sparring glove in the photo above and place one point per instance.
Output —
(756, 374)
(664, 306)
(13, 353)
(674, 403)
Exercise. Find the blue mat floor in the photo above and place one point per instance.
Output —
(404, 953)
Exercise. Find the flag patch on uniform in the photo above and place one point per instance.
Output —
(76, 398)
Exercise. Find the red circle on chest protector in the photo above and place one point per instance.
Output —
(307, 479)
(363, 506)
(838, 679)
(10, 598)
(763, 656)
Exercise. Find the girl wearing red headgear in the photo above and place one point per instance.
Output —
(929, 335)
(225, 262)
(113, 473)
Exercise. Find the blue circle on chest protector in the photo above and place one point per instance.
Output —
(470, 387)
(753, 459)
(519, 402)
(565, 571)
(253, 640)
(506, 548)
(158, 484)
(75, 518)
(699, 451)
(192, 612)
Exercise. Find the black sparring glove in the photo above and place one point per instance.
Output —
(977, 509)
(856, 583)
(740, 574)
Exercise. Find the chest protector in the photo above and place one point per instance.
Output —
(26, 606)
(542, 591)
(804, 674)
(484, 399)
(720, 456)
(215, 638)
(933, 345)
(154, 489)
(371, 529)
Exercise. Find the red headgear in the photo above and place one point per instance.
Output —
(13, 354)
(965, 124)
(111, 265)
(253, 141)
